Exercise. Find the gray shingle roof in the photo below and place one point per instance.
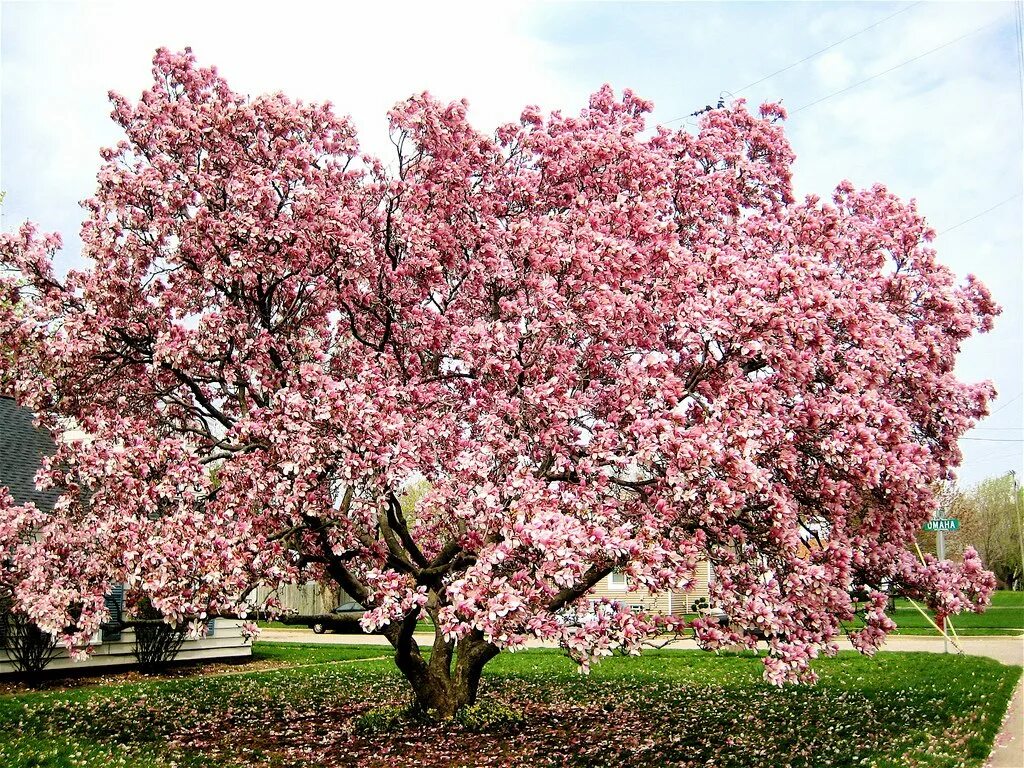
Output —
(22, 447)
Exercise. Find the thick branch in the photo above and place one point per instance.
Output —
(569, 594)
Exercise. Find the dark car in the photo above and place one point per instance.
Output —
(343, 618)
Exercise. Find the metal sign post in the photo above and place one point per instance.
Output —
(940, 525)
(940, 550)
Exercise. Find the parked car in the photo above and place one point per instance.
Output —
(715, 614)
(345, 617)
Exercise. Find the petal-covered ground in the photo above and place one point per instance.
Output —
(671, 708)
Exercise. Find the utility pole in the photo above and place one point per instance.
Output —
(1020, 520)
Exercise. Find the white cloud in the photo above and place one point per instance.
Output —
(59, 61)
(835, 70)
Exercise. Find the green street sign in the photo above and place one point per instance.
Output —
(943, 524)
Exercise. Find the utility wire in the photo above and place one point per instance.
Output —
(920, 56)
(994, 439)
(826, 48)
(807, 58)
(995, 456)
(1008, 402)
(978, 215)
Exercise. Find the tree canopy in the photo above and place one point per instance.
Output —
(603, 346)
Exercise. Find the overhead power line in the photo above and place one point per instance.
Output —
(920, 56)
(978, 215)
(826, 48)
(1000, 451)
(1012, 400)
(994, 439)
(805, 59)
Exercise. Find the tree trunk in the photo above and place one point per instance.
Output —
(436, 685)
(451, 678)
(472, 654)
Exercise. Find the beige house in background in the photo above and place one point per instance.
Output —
(312, 598)
(670, 602)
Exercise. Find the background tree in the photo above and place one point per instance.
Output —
(603, 348)
(988, 522)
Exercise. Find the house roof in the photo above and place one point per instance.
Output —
(22, 448)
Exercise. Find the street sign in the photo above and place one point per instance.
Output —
(943, 524)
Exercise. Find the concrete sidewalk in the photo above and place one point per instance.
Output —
(1007, 649)
(1008, 751)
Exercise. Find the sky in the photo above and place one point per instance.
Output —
(924, 97)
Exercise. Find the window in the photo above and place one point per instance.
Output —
(110, 631)
(617, 580)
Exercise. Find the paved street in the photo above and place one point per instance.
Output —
(1009, 747)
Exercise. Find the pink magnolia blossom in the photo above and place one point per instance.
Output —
(603, 347)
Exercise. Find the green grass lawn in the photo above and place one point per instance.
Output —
(1006, 613)
(667, 708)
(275, 625)
(1005, 616)
(421, 626)
(311, 653)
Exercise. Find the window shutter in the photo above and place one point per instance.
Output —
(110, 631)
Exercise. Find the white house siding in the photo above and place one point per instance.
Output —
(668, 602)
(225, 643)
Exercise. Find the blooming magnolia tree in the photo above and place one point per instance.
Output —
(603, 348)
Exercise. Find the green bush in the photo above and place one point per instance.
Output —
(380, 720)
(28, 648)
(487, 716)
